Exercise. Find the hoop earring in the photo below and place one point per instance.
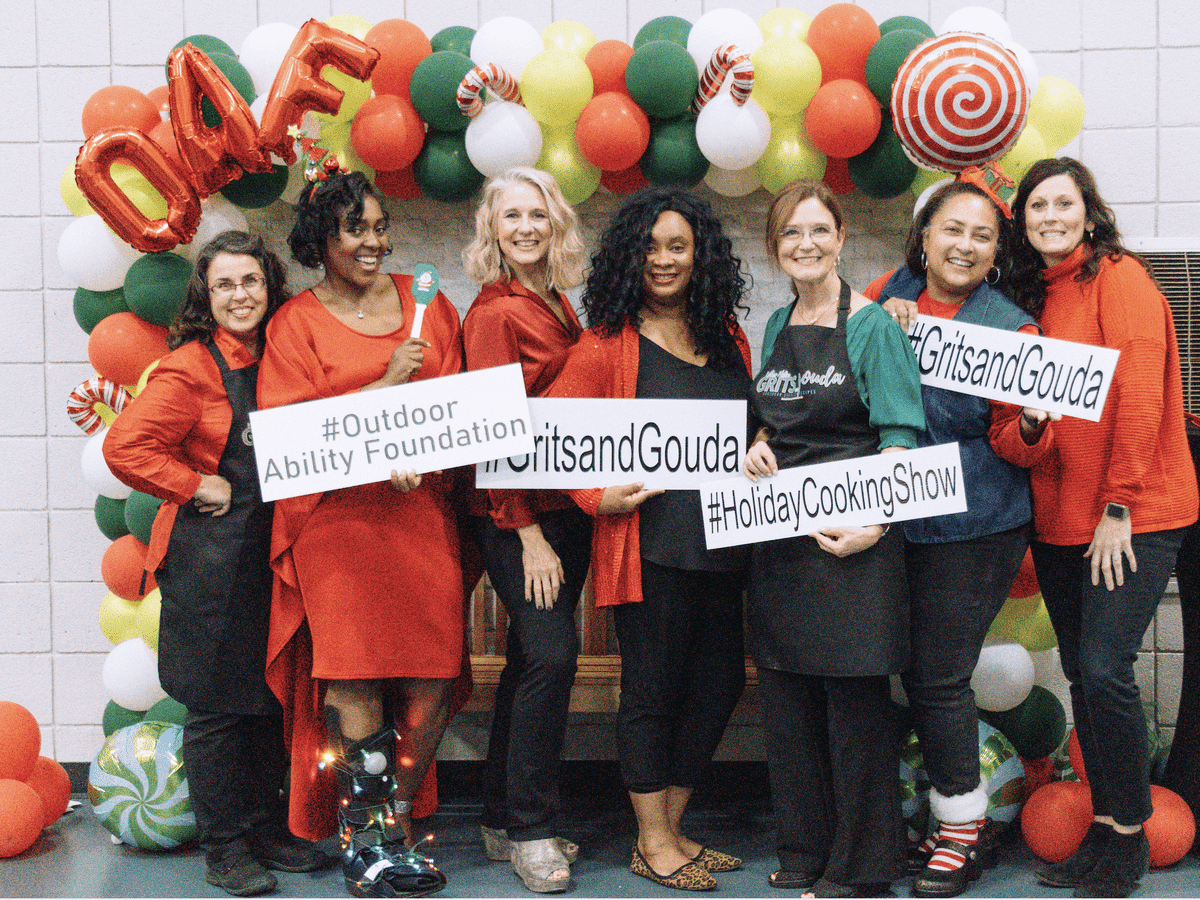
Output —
(924, 261)
(989, 278)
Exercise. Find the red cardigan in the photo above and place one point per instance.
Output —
(607, 367)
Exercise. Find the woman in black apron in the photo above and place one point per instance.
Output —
(186, 439)
(828, 612)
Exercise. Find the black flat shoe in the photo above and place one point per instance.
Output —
(1070, 871)
(948, 882)
(1126, 859)
(234, 870)
(792, 879)
(277, 848)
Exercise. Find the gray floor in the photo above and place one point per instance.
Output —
(76, 858)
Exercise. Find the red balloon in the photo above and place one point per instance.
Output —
(118, 106)
(843, 118)
(606, 61)
(387, 132)
(400, 184)
(215, 156)
(837, 175)
(53, 786)
(20, 817)
(20, 741)
(1170, 829)
(1026, 583)
(299, 87)
(401, 46)
(94, 177)
(612, 132)
(122, 567)
(842, 36)
(1055, 819)
(164, 135)
(122, 345)
(1075, 754)
(626, 181)
(161, 98)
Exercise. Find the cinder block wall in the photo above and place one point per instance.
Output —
(1135, 63)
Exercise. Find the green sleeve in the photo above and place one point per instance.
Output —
(775, 325)
(886, 375)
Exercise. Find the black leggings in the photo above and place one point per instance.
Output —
(683, 667)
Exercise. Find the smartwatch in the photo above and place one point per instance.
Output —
(1117, 511)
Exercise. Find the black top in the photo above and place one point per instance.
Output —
(671, 525)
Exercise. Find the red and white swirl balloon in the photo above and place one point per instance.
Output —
(959, 100)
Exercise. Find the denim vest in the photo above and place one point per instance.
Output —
(997, 491)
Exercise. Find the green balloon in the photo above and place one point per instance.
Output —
(442, 169)
(166, 710)
(661, 78)
(1035, 727)
(238, 77)
(92, 306)
(883, 169)
(156, 286)
(140, 510)
(205, 43)
(911, 23)
(886, 58)
(118, 717)
(664, 28)
(673, 156)
(433, 88)
(254, 190)
(457, 38)
(110, 517)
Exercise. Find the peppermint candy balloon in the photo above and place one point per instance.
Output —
(958, 101)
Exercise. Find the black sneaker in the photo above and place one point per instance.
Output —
(277, 848)
(234, 870)
(1126, 859)
(1071, 870)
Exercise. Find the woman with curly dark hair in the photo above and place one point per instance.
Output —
(662, 299)
(186, 440)
(1111, 500)
(367, 618)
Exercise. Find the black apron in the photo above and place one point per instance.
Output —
(809, 611)
(216, 581)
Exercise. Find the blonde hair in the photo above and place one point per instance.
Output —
(564, 260)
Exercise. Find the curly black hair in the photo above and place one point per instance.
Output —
(613, 295)
(1103, 240)
(914, 248)
(322, 210)
(194, 321)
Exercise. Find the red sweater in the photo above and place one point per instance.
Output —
(1137, 454)
(508, 323)
(608, 367)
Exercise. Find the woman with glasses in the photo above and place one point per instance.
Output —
(185, 439)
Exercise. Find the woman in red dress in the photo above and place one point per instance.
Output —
(367, 619)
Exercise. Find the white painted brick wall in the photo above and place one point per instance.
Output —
(1135, 63)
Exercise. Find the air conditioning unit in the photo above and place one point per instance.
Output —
(1175, 263)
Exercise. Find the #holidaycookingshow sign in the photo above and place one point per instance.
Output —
(867, 490)
(588, 443)
(1025, 369)
(359, 438)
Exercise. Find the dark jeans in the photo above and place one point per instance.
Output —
(683, 667)
(956, 590)
(1099, 633)
(235, 768)
(832, 758)
(520, 776)
(1183, 766)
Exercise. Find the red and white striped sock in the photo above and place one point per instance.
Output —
(928, 844)
(946, 859)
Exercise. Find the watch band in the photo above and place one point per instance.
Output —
(1117, 511)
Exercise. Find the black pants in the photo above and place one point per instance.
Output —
(235, 768)
(956, 590)
(1099, 634)
(520, 776)
(683, 668)
(832, 758)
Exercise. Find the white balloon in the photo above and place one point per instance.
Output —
(1029, 68)
(978, 20)
(503, 135)
(92, 256)
(130, 675)
(927, 193)
(97, 474)
(729, 183)
(722, 26)
(508, 42)
(216, 215)
(1003, 677)
(263, 50)
(732, 136)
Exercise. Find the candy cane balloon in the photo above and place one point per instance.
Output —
(489, 75)
(726, 60)
(85, 406)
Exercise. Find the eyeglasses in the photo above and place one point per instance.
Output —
(251, 284)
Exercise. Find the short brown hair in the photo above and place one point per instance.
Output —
(785, 204)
